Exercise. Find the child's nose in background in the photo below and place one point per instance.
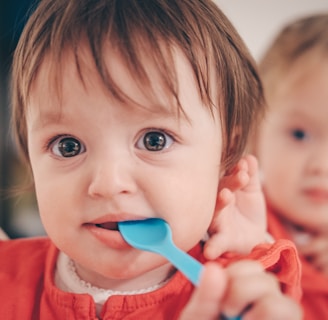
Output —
(318, 161)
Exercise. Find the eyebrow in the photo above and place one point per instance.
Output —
(45, 118)
(299, 113)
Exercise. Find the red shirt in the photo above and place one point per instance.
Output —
(314, 283)
(27, 289)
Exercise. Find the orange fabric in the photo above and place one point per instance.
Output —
(314, 283)
(27, 289)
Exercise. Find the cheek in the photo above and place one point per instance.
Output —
(54, 201)
(283, 165)
(281, 182)
(50, 206)
(272, 156)
(194, 207)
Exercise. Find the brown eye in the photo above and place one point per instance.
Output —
(154, 141)
(67, 147)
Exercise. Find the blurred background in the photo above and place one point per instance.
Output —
(18, 213)
(256, 20)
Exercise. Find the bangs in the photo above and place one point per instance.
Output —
(140, 45)
(145, 34)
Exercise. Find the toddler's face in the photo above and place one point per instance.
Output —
(293, 147)
(96, 161)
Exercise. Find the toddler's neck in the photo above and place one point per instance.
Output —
(67, 279)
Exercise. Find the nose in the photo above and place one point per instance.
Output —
(318, 162)
(112, 175)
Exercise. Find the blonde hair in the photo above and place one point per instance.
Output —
(304, 37)
(296, 43)
(196, 27)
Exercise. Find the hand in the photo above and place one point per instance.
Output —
(240, 220)
(3, 235)
(243, 288)
(315, 250)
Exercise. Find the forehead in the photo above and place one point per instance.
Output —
(297, 75)
(115, 79)
(302, 93)
(150, 93)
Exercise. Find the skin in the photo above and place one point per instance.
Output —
(295, 128)
(3, 235)
(241, 289)
(240, 221)
(113, 176)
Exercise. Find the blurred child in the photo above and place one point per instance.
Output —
(292, 149)
(129, 110)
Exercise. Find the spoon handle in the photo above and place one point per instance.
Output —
(189, 266)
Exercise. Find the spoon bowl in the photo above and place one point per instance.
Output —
(155, 235)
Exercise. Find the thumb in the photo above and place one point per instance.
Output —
(216, 245)
(205, 301)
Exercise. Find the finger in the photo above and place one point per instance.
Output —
(245, 175)
(235, 181)
(248, 284)
(242, 164)
(252, 164)
(205, 301)
(266, 308)
(225, 197)
(217, 244)
(254, 181)
(247, 292)
(237, 177)
(245, 268)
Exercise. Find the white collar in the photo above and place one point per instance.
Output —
(67, 279)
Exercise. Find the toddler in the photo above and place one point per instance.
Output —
(129, 110)
(292, 148)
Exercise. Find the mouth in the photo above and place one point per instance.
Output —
(319, 195)
(110, 222)
(107, 232)
(113, 226)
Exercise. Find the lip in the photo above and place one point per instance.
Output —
(105, 230)
(318, 195)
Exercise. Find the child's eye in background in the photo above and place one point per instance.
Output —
(299, 134)
(67, 147)
(154, 141)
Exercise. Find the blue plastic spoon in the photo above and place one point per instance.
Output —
(155, 235)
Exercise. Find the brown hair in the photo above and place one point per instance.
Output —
(197, 27)
(305, 36)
